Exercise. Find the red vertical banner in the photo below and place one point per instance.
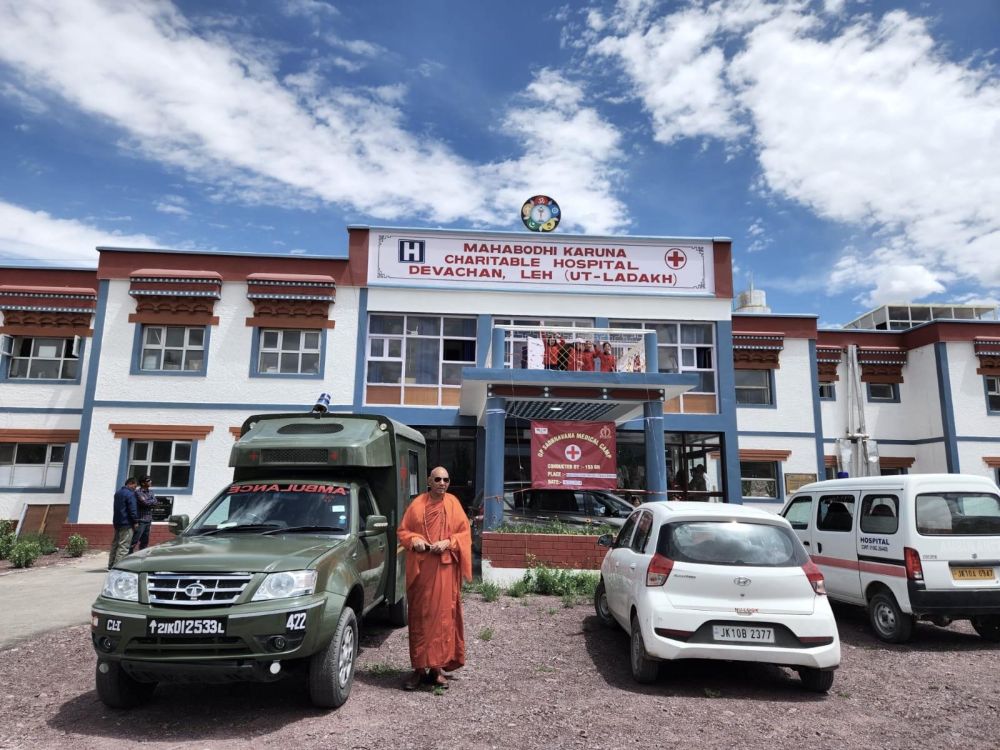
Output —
(580, 455)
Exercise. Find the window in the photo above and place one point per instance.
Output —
(422, 356)
(892, 471)
(759, 479)
(684, 347)
(753, 388)
(835, 513)
(798, 512)
(642, 530)
(827, 392)
(958, 514)
(172, 349)
(883, 391)
(38, 358)
(992, 393)
(516, 344)
(735, 544)
(625, 532)
(287, 351)
(31, 465)
(168, 462)
(880, 514)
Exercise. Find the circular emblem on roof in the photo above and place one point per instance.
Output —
(540, 213)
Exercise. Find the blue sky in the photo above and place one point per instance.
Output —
(850, 149)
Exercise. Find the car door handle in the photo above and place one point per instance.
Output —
(805, 544)
(819, 546)
(632, 566)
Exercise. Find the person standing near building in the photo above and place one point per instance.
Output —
(125, 520)
(436, 532)
(145, 500)
(698, 483)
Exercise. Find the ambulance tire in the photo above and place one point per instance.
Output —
(331, 670)
(117, 689)
(889, 622)
(988, 627)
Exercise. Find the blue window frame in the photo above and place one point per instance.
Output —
(170, 350)
(883, 392)
(170, 463)
(761, 480)
(754, 389)
(827, 391)
(288, 353)
(41, 359)
(33, 467)
(992, 385)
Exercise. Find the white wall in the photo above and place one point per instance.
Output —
(793, 396)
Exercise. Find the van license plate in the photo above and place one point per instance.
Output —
(972, 574)
(187, 627)
(742, 634)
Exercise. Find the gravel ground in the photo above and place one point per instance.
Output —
(539, 675)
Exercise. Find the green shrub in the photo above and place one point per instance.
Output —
(519, 588)
(24, 554)
(558, 582)
(44, 542)
(7, 542)
(76, 545)
(590, 529)
(489, 591)
(6, 527)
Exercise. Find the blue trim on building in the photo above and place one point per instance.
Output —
(87, 413)
(921, 441)
(947, 407)
(135, 366)
(36, 410)
(976, 439)
(361, 362)
(255, 357)
(725, 420)
(484, 334)
(766, 433)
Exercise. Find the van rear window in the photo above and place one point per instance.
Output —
(731, 543)
(958, 514)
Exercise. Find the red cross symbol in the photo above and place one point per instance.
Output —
(573, 453)
(675, 258)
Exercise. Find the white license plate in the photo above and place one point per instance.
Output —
(186, 627)
(742, 634)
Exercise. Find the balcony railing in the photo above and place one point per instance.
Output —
(574, 349)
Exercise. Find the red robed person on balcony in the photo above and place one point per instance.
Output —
(436, 532)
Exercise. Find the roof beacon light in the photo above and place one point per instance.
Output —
(322, 404)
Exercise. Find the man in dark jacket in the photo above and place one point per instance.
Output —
(145, 500)
(126, 520)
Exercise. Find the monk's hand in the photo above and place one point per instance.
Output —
(419, 545)
(441, 546)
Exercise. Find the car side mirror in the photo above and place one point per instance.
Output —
(177, 524)
(605, 540)
(376, 524)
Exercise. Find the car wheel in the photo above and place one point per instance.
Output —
(601, 606)
(117, 689)
(988, 627)
(888, 621)
(331, 671)
(644, 669)
(398, 614)
(816, 680)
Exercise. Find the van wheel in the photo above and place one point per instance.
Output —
(888, 621)
(816, 680)
(331, 671)
(644, 669)
(117, 689)
(601, 606)
(988, 627)
(398, 614)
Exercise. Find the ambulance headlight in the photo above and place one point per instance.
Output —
(121, 584)
(286, 584)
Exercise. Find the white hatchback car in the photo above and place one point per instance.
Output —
(710, 581)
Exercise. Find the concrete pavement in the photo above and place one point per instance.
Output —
(35, 601)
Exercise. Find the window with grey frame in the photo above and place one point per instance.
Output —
(31, 465)
(288, 351)
(682, 347)
(759, 479)
(754, 388)
(993, 392)
(172, 349)
(883, 391)
(43, 358)
(167, 462)
(827, 391)
(419, 349)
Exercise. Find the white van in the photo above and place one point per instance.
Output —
(912, 547)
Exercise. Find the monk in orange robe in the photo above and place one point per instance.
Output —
(436, 532)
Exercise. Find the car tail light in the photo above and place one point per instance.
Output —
(914, 570)
(815, 577)
(658, 570)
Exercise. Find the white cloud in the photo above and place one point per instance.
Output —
(40, 237)
(223, 116)
(175, 205)
(23, 99)
(315, 9)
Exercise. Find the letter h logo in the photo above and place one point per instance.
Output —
(411, 251)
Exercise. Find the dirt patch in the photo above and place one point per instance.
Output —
(547, 676)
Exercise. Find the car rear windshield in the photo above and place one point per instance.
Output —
(731, 543)
(277, 505)
(958, 514)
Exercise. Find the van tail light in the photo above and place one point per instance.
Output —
(658, 570)
(815, 577)
(914, 570)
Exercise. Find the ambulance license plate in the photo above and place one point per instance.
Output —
(185, 627)
(972, 574)
(742, 634)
